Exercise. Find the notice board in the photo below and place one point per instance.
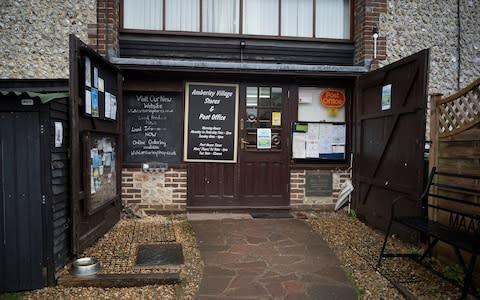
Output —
(153, 127)
(211, 111)
(318, 140)
(100, 178)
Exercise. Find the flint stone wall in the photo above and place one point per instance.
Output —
(410, 26)
(34, 35)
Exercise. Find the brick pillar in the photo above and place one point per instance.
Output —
(103, 36)
(366, 18)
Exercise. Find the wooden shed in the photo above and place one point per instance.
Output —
(34, 170)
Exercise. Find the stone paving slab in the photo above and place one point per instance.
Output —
(267, 259)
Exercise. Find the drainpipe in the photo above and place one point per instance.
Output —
(459, 56)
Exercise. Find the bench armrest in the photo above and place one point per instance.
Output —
(394, 203)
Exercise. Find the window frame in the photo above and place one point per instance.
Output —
(279, 36)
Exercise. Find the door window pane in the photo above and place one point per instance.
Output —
(332, 19)
(276, 97)
(252, 96)
(297, 18)
(143, 14)
(260, 17)
(221, 16)
(182, 15)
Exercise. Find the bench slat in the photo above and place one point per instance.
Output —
(462, 239)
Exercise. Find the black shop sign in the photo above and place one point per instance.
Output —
(153, 127)
(211, 122)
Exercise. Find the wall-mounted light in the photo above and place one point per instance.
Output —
(375, 37)
(243, 44)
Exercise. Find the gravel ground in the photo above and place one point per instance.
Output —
(116, 252)
(355, 244)
(358, 246)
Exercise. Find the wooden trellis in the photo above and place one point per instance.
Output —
(458, 112)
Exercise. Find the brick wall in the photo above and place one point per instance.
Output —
(154, 193)
(298, 199)
(103, 36)
(366, 19)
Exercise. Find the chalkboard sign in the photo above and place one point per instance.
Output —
(153, 127)
(318, 183)
(211, 122)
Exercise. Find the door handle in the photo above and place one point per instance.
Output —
(242, 124)
(243, 142)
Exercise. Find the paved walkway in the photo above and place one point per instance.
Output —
(267, 259)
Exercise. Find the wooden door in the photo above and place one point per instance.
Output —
(263, 155)
(95, 201)
(390, 138)
(22, 262)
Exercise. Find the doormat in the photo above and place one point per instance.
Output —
(159, 254)
(271, 215)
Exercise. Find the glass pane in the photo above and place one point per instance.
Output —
(333, 19)
(297, 18)
(143, 14)
(252, 96)
(182, 15)
(276, 141)
(264, 117)
(251, 120)
(221, 16)
(264, 96)
(260, 17)
(277, 97)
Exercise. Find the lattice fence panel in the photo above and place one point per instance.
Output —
(459, 113)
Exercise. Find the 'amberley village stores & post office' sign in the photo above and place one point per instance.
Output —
(211, 122)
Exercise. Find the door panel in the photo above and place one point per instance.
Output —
(21, 226)
(389, 143)
(211, 184)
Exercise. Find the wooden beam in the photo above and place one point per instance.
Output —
(119, 280)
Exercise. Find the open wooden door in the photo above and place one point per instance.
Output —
(95, 156)
(390, 138)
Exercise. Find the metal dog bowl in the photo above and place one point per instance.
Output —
(85, 266)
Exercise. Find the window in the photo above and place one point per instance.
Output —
(182, 15)
(310, 108)
(221, 16)
(260, 17)
(143, 14)
(332, 19)
(281, 18)
(297, 18)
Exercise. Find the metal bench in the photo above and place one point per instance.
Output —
(460, 206)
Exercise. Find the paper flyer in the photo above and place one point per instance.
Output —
(88, 72)
(88, 102)
(264, 138)
(95, 109)
(58, 134)
(298, 145)
(107, 106)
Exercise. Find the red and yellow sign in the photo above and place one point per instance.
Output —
(332, 98)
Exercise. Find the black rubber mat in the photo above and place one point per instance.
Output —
(271, 215)
(159, 254)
